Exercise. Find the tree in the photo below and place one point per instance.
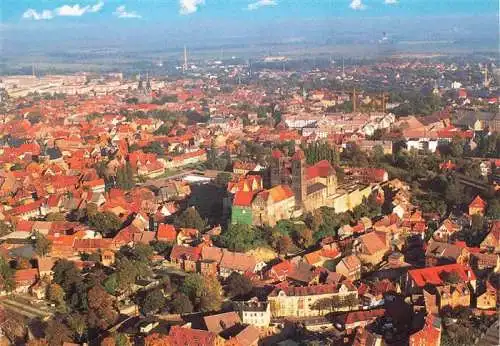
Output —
(180, 304)
(78, 324)
(67, 275)
(238, 238)
(204, 291)
(190, 218)
(5, 228)
(238, 285)
(102, 312)
(155, 148)
(42, 245)
(493, 211)
(110, 284)
(283, 244)
(107, 223)
(57, 333)
(477, 223)
(55, 294)
(153, 301)
(222, 179)
(161, 247)
(125, 177)
(7, 281)
(126, 274)
(211, 297)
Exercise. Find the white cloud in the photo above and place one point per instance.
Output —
(261, 3)
(72, 11)
(391, 2)
(32, 14)
(63, 11)
(121, 12)
(190, 6)
(97, 7)
(357, 5)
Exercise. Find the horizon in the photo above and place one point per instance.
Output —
(42, 27)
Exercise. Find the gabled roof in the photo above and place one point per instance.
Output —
(477, 202)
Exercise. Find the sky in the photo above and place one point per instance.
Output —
(68, 23)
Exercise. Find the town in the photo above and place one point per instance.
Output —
(264, 203)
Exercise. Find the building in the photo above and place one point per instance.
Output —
(350, 267)
(450, 274)
(313, 186)
(266, 207)
(294, 301)
(254, 312)
(477, 206)
(429, 335)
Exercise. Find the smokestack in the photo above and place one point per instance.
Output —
(185, 58)
(354, 100)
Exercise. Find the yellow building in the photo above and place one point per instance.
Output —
(307, 301)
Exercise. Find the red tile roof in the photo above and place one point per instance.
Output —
(166, 232)
(431, 275)
(243, 198)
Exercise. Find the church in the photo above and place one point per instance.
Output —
(313, 186)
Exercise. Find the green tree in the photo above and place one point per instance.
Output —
(222, 179)
(7, 281)
(493, 211)
(125, 177)
(42, 245)
(107, 223)
(180, 304)
(238, 238)
(153, 301)
(155, 148)
(190, 218)
(110, 284)
(238, 285)
(204, 291)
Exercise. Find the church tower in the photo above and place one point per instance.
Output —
(299, 186)
(277, 161)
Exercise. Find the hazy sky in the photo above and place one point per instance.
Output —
(72, 22)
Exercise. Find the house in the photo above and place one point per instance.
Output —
(210, 259)
(45, 265)
(439, 253)
(350, 267)
(166, 233)
(487, 297)
(371, 247)
(291, 301)
(249, 335)
(220, 322)
(417, 279)
(237, 262)
(183, 336)
(477, 206)
(446, 230)
(185, 257)
(429, 335)
(254, 312)
(492, 241)
(352, 320)
(107, 257)
(452, 296)
(24, 279)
